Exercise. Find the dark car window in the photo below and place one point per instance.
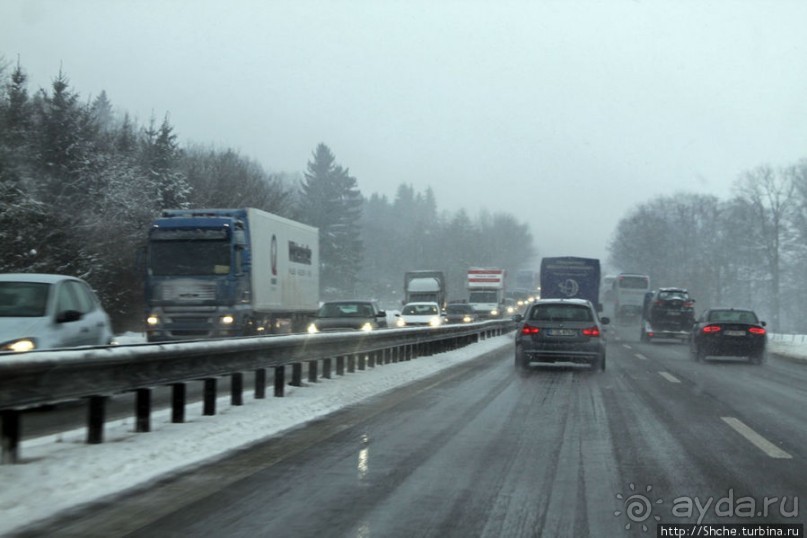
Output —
(346, 310)
(459, 309)
(733, 315)
(23, 299)
(561, 313)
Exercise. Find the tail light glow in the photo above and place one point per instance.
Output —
(711, 329)
(591, 331)
(529, 329)
(757, 330)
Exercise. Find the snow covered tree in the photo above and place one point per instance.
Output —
(331, 201)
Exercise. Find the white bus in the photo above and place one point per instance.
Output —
(629, 292)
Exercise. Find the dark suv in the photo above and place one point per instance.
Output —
(667, 313)
(348, 315)
(560, 330)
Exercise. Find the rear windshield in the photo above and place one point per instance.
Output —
(561, 312)
(738, 316)
(459, 309)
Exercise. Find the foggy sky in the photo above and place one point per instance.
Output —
(564, 114)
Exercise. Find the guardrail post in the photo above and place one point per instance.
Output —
(312, 371)
(178, 392)
(209, 406)
(237, 389)
(296, 374)
(10, 436)
(143, 410)
(371, 359)
(351, 363)
(326, 368)
(280, 381)
(340, 365)
(95, 419)
(260, 383)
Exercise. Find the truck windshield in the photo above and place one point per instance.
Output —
(189, 258)
(483, 297)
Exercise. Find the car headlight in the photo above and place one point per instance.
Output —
(20, 345)
(227, 319)
(467, 319)
(312, 328)
(400, 322)
(494, 312)
(436, 322)
(152, 320)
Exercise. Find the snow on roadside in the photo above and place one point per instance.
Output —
(61, 471)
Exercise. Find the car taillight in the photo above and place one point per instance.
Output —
(591, 331)
(711, 329)
(529, 329)
(689, 304)
(757, 330)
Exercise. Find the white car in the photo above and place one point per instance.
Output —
(41, 311)
(420, 315)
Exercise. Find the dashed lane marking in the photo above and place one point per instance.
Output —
(640, 356)
(756, 439)
(669, 377)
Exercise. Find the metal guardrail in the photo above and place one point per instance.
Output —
(44, 378)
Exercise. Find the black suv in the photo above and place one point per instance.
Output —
(667, 313)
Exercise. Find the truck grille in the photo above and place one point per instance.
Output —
(188, 291)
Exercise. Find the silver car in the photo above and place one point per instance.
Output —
(560, 330)
(43, 311)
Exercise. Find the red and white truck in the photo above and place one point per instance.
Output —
(486, 291)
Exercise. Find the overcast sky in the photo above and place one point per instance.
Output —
(565, 114)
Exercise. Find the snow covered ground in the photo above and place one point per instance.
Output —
(61, 471)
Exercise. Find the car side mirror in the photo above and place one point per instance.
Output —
(68, 316)
(517, 318)
(763, 323)
(605, 320)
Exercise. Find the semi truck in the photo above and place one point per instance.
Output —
(569, 277)
(486, 291)
(218, 273)
(425, 286)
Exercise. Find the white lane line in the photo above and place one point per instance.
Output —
(640, 356)
(756, 439)
(669, 377)
(626, 346)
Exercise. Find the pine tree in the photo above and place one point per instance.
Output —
(331, 201)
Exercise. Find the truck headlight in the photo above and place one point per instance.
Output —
(494, 312)
(19, 345)
(227, 319)
(152, 320)
(312, 328)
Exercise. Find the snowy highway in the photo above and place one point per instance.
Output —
(476, 450)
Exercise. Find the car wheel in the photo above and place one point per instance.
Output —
(522, 365)
(599, 363)
(699, 355)
(643, 336)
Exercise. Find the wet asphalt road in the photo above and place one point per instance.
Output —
(482, 451)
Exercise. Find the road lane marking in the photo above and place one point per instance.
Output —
(756, 439)
(626, 346)
(640, 356)
(669, 377)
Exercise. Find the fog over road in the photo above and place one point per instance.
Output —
(481, 451)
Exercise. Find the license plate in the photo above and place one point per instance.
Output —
(562, 332)
(735, 333)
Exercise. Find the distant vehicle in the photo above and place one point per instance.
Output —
(729, 332)
(486, 291)
(629, 292)
(348, 315)
(419, 315)
(607, 290)
(460, 313)
(667, 313)
(425, 286)
(560, 330)
(569, 277)
(218, 273)
(46, 311)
